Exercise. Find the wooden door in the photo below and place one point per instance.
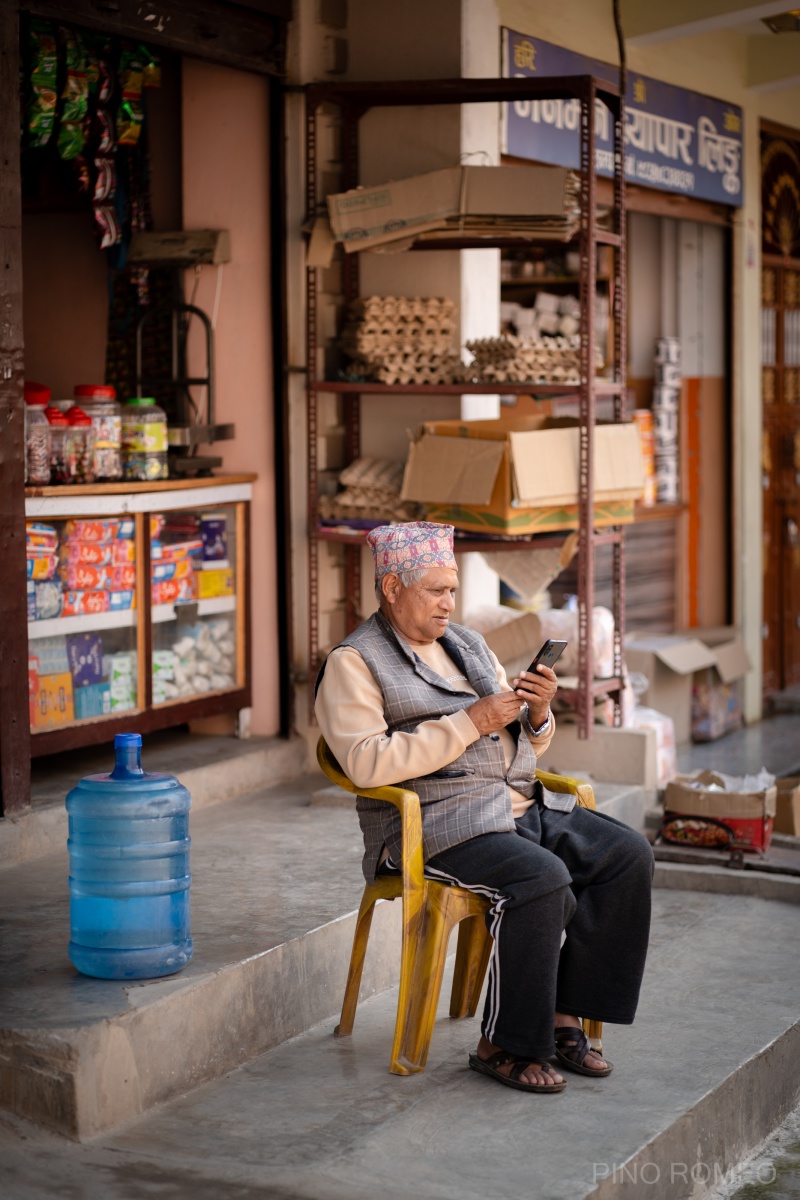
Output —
(781, 472)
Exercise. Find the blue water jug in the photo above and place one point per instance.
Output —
(129, 870)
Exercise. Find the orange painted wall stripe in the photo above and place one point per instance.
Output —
(693, 495)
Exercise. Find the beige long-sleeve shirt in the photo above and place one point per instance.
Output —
(349, 710)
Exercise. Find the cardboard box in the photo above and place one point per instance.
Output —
(716, 690)
(371, 216)
(787, 806)
(749, 814)
(669, 663)
(611, 755)
(519, 474)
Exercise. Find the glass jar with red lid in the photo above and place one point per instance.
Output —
(99, 403)
(37, 434)
(80, 446)
(59, 468)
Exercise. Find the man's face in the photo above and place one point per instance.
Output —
(421, 613)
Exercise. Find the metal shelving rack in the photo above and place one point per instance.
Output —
(355, 99)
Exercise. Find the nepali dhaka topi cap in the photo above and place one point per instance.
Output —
(412, 546)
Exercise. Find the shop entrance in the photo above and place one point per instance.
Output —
(780, 356)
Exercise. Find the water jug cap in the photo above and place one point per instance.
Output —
(123, 740)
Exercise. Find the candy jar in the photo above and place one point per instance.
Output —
(59, 466)
(37, 434)
(99, 403)
(144, 440)
(80, 446)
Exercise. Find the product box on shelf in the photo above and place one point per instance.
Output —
(214, 582)
(370, 216)
(669, 663)
(85, 657)
(519, 474)
(749, 814)
(54, 702)
(94, 700)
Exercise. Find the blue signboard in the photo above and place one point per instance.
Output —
(676, 140)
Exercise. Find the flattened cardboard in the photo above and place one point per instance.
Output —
(389, 212)
(513, 191)
(366, 216)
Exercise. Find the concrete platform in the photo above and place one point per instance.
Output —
(214, 769)
(276, 880)
(706, 1071)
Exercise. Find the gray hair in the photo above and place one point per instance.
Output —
(407, 578)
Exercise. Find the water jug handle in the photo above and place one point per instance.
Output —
(128, 755)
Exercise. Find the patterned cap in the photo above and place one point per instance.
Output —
(413, 546)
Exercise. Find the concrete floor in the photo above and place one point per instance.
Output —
(706, 1071)
(321, 1119)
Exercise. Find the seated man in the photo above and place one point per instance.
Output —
(411, 699)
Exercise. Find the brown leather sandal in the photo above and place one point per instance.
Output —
(572, 1046)
(488, 1066)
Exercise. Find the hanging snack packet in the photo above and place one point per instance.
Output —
(74, 97)
(130, 113)
(44, 67)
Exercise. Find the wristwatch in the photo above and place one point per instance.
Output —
(543, 727)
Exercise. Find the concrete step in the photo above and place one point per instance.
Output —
(707, 1070)
(272, 928)
(214, 769)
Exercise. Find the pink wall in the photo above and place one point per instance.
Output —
(65, 301)
(226, 186)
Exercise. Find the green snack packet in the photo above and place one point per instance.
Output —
(44, 67)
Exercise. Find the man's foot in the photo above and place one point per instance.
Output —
(534, 1075)
(573, 1050)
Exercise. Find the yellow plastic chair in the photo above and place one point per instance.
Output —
(430, 910)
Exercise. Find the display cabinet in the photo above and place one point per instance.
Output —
(138, 610)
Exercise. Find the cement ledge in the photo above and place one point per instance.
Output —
(246, 767)
(726, 881)
(85, 1081)
(704, 1146)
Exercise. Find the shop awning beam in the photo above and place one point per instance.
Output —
(646, 23)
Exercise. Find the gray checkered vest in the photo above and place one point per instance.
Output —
(470, 795)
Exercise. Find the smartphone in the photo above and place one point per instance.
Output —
(549, 654)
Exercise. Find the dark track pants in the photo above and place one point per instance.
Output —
(582, 872)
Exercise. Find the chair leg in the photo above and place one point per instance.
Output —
(472, 959)
(594, 1032)
(356, 968)
(411, 1054)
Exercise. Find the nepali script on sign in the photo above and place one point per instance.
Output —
(674, 139)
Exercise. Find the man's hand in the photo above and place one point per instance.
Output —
(490, 714)
(537, 689)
